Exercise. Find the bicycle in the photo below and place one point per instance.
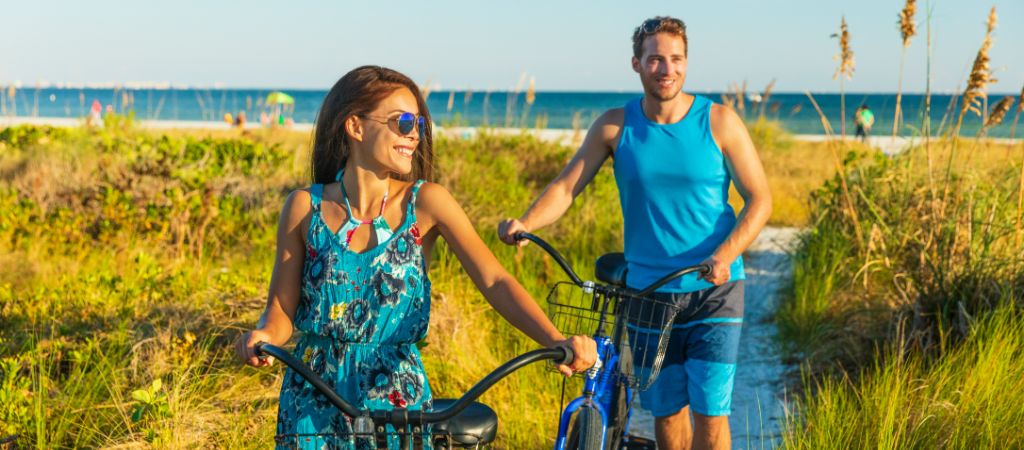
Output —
(454, 423)
(629, 359)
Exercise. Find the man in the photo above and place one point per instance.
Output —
(675, 155)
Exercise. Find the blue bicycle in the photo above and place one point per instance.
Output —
(631, 330)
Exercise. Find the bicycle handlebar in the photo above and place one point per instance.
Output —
(402, 417)
(554, 254)
(702, 268)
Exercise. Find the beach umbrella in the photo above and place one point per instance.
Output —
(279, 98)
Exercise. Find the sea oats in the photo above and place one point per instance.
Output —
(995, 117)
(907, 26)
(981, 72)
(531, 91)
(845, 56)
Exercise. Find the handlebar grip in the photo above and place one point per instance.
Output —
(704, 269)
(258, 347)
(568, 356)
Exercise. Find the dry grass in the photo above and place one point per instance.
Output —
(981, 75)
(766, 95)
(795, 169)
(908, 28)
(844, 71)
(999, 110)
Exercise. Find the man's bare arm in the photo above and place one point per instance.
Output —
(748, 175)
(559, 194)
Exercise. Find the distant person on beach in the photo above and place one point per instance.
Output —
(350, 271)
(240, 120)
(675, 155)
(95, 114)
(864, 119)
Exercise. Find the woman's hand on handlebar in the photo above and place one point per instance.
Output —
(585, 350)
(245, 348)
(507, 230)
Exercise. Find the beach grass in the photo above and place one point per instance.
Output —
(901, 334)
(968, 398)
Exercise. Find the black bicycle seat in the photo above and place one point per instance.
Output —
(611, 268)
(476, 425)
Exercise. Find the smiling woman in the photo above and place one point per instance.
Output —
(360, 296)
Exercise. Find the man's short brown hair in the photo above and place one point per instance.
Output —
(659, 24)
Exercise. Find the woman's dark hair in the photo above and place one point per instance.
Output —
(357, 93)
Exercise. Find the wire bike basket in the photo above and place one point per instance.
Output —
(639, 326)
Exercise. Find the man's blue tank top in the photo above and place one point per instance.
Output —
(674, 188)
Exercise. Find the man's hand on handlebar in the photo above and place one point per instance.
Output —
(585, 350)
(719, 274)
(507, 230)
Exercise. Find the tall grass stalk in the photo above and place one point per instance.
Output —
(980, 77)
(1020, 186)
(844, 71)
(976, 90)
(926, 125)
(908, 28)
(1016, 116)
(531, 96)
(765, 96)
(996, 116)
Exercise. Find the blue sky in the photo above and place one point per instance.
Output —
(567, 45)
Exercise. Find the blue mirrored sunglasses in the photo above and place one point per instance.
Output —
(404, 123)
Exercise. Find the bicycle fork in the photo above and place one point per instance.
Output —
(597, 379)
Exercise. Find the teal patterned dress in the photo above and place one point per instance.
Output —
(360, 315)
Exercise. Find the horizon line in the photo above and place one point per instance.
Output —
(161, 86)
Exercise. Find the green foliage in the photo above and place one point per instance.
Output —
(151, 403)
(26, 135)
(15, 395)
(769, 134)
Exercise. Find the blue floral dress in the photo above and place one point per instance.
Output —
(360, 315)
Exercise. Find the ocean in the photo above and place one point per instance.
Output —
(496, 109)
